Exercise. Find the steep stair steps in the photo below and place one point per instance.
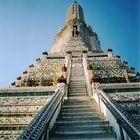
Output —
(80, 118)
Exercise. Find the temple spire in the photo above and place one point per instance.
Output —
(75, 35)
(75, 11)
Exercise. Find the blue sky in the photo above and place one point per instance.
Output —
(27, 28)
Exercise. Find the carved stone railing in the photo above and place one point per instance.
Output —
(97, 54)
(28, 89)
(102, 58)
(68, 65)
(125, 125)
(39, 127)
(120, 85)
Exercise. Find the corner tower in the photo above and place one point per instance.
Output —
(75, 35)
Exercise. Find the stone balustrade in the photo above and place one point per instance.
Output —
(120, 85)
(125, 96)
(15, 120)
(27, 89)
(24, 101)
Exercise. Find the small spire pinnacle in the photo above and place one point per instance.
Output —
(75, 1)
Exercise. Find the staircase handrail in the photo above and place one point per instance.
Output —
(123, 119)
(68, 73)
(40, 125)
(68, 65)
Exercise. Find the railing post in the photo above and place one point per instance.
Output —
(99, 103)
(121, 131)
(95, 93)
(68, 65)
(47, 136)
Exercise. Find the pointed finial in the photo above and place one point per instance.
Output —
(75, 1)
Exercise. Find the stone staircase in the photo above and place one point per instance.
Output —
(75, 45)
(80, 118)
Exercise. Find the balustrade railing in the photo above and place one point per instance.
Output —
(124, 124)
(27, 89)
(39, 127)
(68, 73)
(120, 85)
(68, 65)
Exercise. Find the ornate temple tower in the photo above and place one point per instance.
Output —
(75, 35)
(75, 92)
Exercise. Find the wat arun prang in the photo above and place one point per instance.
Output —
(76, 44)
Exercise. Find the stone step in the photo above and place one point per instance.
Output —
(81, 123)
(77, 78)
(78, 110)
(77, 75)
(77, 106)
(73, 71)
(89, 114)
(75, 83)
(77, 94)
(79, 68)
(86, 118)
(77, 91)
(97, 136)
(77, 86)
(106, 127)
(80, 113)
(87, 132)
(72, 103)
(80, 99)
(76, 70)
